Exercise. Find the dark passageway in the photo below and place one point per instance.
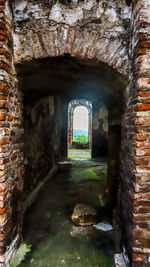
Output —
(53, 53)
(49, 85)
(53, 89)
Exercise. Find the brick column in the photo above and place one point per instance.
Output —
(135, 177)
(10, 143)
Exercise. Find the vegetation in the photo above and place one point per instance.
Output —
(80, 138)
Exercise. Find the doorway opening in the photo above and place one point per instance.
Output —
(50, 109)
(79, 129)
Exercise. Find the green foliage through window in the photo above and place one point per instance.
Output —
(80, 138)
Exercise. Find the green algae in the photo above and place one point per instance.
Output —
(88, 174)
(101, 200)
(81, 157)
(104, 172)
(79, 153)
(48, 225)
(82, 163)
(20, 255)
(94, 201)
(62, 249)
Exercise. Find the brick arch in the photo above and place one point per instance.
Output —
(75, 41)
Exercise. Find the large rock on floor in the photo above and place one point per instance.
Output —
(84, 215)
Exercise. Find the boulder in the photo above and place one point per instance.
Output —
(84, 215)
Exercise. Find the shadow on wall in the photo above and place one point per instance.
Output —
(100, 131)
(42, 139)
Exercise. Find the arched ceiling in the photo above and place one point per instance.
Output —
(71, 77)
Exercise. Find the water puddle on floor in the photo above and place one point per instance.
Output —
(54, 239)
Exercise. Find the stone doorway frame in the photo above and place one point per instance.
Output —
(71, 107)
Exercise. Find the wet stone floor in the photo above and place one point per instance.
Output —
(79, 153)
(54, 240)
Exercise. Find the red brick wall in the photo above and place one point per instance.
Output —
(10, 142)
(135, 178)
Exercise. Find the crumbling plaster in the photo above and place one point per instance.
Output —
(87, 29)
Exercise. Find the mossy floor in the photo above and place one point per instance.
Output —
(48, 226)
(79, 153)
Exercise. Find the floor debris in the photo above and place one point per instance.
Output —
(119, 261)
(81, 230)
(103, 226)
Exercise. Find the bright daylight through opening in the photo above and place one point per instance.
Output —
(79, 128)
(80, 124)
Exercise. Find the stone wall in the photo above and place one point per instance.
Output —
(42, 139)
(100, 131)
(11, 158)
(114, 144)
(135, 178)
(88, 29)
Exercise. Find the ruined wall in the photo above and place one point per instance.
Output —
(135, 178)
(114, 145)
(88, 29)
(100, 131)
(42, 139)
(11, 158)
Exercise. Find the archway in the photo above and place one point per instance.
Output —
(79, 128)
(101, 44)
(48, 85)
(47, 102)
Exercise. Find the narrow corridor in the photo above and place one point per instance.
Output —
(55, 240)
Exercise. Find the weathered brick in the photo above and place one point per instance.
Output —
(145, 44)
(143, 168)
(2, 117)
(143, 93)
(2, 211)
(2, 188)
(138, 257)
(142, 107)
(142, 179)
(141, 129)
(142, 121)
(10, 117)
(140, 242)
(2, 2)
(142, 161)
(141, 144)
(141, 137)
(141, 234)
(142, 152)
